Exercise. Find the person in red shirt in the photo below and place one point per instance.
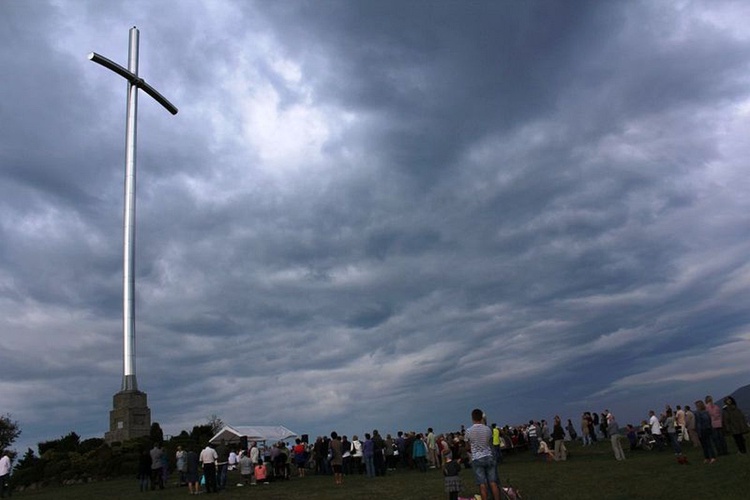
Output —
(300, 457)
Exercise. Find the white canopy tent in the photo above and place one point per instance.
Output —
(272, 433)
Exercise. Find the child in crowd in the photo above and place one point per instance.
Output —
(451, 472)
(261, 473)
(632, 437)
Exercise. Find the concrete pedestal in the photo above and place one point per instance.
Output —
(130, 417)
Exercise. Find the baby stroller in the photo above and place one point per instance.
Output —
(646, 440)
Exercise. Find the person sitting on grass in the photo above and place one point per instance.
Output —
(544, 452)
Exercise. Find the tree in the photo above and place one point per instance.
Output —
(28, 460)
(65, 444)
(9, 431)
(201, 434)
(156, 434)
(216, 423)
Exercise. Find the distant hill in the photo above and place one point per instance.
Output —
(742, 397)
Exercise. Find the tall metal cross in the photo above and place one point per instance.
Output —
(129, 382)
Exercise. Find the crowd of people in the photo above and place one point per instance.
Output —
(706, 426)
(207, 470)
(479, 448)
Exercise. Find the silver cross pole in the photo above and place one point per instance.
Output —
(129, 382)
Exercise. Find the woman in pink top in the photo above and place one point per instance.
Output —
(717, 431)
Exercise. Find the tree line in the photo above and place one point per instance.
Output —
(69, 459)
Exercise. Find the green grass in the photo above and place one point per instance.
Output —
(590, 473)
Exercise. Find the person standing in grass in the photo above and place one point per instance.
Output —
(356, 455)
(735, 423)
(717, 433)
(571, 431)
(532, 436)
(419, 453)
(451, 473)
(432, 457)
(704, 429)
(180, 457)
(632, 437)
(496, 440)
(671, 425)
(558, 435)
(5, 468)
(479, 438)
(388, 452)
(346, 447)
(247, 469)
(401, 447)
(690, 425)
(337, 458)
(191, 475)
(379, 457)
(300, 457)
(368, 453)
(254, 453)
(613, 431)
(157, 466)
(208, 458)
(679, 419)
(655, 426)
(144, 471)
(585, 431)
(594, 424)
(544, 431)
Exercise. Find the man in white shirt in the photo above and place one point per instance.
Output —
(432, 455)
(653, 421)
(532, 436)
(208, 458)
(4, 474)
(234, 460)
(254, 458)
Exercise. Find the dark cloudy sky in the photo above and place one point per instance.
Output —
(375, 213)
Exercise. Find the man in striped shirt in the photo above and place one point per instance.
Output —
(483, 464)
(532, 436)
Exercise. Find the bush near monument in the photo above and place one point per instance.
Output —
(9, 431)
(69, 460)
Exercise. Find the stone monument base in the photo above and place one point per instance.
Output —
(130, 417)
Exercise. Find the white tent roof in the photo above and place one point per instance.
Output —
(253, 433)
